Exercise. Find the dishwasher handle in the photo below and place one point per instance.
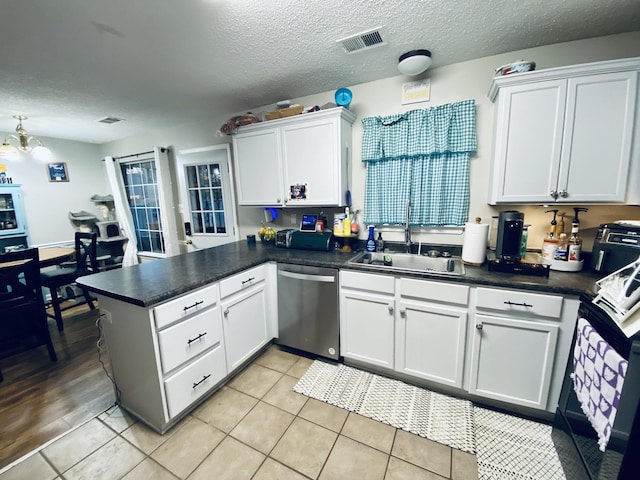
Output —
(306, 276)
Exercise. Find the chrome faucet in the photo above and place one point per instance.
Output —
(407, 228)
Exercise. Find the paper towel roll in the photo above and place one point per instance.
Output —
(474, 246)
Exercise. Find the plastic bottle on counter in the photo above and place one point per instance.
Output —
(346, 227)
(523, 242)
(575, 242)
(550, 242)
(562, 252)
(371, 241)
(379, 243)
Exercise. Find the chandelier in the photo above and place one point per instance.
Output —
(7, 150)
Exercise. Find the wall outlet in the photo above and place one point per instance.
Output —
(292, 219)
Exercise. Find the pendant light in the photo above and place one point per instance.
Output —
(414, 62)
(10, 152)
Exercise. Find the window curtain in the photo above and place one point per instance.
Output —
(421, 157)
(122, 211)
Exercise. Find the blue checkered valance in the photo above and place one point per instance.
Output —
(421, 156)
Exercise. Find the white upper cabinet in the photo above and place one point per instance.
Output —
(566, 135)
(295, 161)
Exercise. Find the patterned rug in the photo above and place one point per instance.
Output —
(507, 447)
(431, 415)
(514, 448)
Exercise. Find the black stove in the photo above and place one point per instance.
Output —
(575, 440)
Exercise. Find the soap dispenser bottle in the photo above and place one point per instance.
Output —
(379, 243)
(550, 242)
(575, 242)
(371, 240)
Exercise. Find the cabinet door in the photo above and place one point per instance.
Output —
(597, 140)
(430, 342)
(257, 160)
(311, 158)
(528, 140)
(512, 360)
(367, 327)
(244, 323)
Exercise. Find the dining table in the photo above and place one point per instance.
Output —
(50, 256)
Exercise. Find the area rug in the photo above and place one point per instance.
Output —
(514, 448)
(438, 417)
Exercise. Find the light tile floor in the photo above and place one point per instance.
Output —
(256, 427)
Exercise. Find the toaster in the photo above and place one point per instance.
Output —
(283, 237)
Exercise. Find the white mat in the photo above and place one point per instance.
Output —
(438, 417)
(514, 448)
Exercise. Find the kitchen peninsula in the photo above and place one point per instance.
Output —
(178, 328)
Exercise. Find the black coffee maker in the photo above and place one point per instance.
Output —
(510, 223)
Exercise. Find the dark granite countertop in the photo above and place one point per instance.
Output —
(152, 282)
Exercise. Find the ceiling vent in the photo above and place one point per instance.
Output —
(363, 40)
(110, 120)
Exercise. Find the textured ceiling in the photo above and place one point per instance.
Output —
(158, 63)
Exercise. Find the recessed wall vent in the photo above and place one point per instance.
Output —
(363, 40)
(110, 120)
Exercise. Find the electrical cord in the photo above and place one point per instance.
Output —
(100, 351)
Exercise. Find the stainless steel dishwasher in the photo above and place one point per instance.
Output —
(308, 309)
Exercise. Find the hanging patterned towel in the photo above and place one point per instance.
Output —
(598, 376)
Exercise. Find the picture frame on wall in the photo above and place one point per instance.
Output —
(58, 172)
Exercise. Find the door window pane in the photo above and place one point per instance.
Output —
(206, 199)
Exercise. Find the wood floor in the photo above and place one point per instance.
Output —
(40, 399)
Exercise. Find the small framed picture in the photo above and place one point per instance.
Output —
(58, 172)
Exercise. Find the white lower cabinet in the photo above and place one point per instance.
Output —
(430, 342)
(514, 351)
(165, 358)
(244, 315)
(367, 318)
(169, 357)
(520, 344)
(431, 330)
(512, 360)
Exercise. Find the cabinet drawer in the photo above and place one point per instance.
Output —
(183, 341)
(367, 281)
(185, 305)
(243, 280)
(438, 291)
(193, 381)
(519, 302)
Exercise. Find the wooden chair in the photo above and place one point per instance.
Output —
(23, 317)
(86, 263)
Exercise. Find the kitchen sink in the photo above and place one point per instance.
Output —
(410, 262)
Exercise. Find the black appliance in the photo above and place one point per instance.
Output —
(283, 237)
(575, 440)
(615, 245)
(510, 224)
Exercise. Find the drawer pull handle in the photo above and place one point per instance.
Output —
(523, 304)
(226, 312)
(204, 377)
(191, 340)
(479, 326)
(195, 305)
(390, 308)
(248, 280)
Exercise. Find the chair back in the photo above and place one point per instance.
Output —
(20, 292)
(86, 252)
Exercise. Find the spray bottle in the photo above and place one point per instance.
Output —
(550, 242)
(575, 242)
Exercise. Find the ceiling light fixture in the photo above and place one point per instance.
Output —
(23, 138)
(414, 62)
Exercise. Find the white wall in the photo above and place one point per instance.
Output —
(467, 80)
(48, 204)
